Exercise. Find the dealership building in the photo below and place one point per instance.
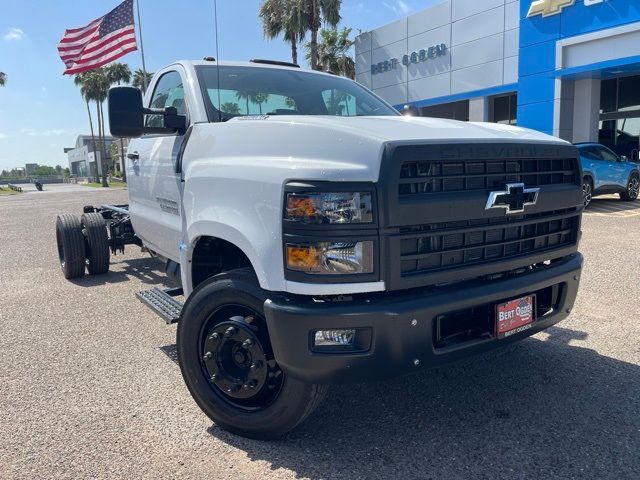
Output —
(569, 68)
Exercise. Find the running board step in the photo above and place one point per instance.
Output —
(163, 303)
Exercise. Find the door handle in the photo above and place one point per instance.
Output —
(133, 156)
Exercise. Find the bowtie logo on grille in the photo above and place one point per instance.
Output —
(514, 198)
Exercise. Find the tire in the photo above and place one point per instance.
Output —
(587, 191)
(278, 405)
(97, 243)
(633, 188)
(71, 246)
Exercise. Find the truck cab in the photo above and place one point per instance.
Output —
(321, 237)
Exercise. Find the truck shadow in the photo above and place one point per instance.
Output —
(147, 270)
(543, 408)
(612, 205)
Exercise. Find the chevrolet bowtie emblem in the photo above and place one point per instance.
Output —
(513, 199)
(547, 8)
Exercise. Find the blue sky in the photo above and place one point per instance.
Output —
(41, 111)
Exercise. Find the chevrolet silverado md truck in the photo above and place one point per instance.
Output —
(319, 236)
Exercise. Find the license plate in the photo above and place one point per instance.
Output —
(515, 316)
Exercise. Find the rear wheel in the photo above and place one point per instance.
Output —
(228, 364)
(587, 191)
(633, 188)
(97, 243)
(71, 246)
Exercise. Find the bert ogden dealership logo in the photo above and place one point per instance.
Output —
(410, 58)
(514, 198)
(547, 8)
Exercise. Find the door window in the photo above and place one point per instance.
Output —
(169, 92)
(606, 154)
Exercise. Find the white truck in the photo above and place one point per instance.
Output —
(319, 236)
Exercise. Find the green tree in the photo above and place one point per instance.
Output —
(230, 107)
(283, 17)
(94, 86)
(315, 13)
(139, 79)
(43, 171)
(333, 52)
(3, 79)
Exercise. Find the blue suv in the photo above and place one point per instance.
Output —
(605, 172)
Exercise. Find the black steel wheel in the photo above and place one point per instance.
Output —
(94, 229)
(228, 365)
(633, 189)
(587, 191)
(71, 246)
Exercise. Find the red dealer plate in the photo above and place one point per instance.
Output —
(515, 316)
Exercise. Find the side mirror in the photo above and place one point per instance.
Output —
(126, 115)
(624, 158)
(410, 111)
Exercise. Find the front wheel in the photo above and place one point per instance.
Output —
(228, 365)
(633, 188)
(587, 191)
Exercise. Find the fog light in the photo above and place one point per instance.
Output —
(334, 338)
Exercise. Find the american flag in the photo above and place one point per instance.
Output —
(102, 41)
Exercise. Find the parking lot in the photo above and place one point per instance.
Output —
(89, 387)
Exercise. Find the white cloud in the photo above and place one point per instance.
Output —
(3, 135)
(14, 33)
(399, 7)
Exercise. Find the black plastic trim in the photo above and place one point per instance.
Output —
(402, 324)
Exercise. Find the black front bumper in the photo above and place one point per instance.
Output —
(399, 344)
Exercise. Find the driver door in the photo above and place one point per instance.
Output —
(155, 189)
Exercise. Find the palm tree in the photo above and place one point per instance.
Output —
(3, 79)
(94, 86)
(333, 52)
(141, 80)
(230, 107)
(118, 73)
(314, 13)
(81, 81)
(283, 17)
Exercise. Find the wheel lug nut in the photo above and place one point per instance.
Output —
(214, 336)
(247, 344)
(252, 384)
(207, 356)
(230, 332)
(214, 377)
(256, 366)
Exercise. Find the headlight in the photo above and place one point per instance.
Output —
(331, 258)
(329, 208)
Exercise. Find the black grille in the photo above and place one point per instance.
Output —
(418, 177)
(441, 246)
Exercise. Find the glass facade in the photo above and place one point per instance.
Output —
(620, 115)
(504, 109)
(451, 111)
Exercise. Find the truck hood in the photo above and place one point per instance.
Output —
(401, 128)
(327, 148)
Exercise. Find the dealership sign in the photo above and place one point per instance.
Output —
(410, 58)
(547, 8)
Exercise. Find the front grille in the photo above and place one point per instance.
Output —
(418, 177)
(443, 246)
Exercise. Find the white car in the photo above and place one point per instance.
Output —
(319, 236)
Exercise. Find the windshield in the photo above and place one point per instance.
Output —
(270, 91)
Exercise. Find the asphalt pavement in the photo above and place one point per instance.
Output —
(89, 387)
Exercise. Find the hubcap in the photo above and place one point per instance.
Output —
(586, 193)
(237, 359)
(634, 188)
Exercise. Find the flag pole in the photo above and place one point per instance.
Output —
(144, 68)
